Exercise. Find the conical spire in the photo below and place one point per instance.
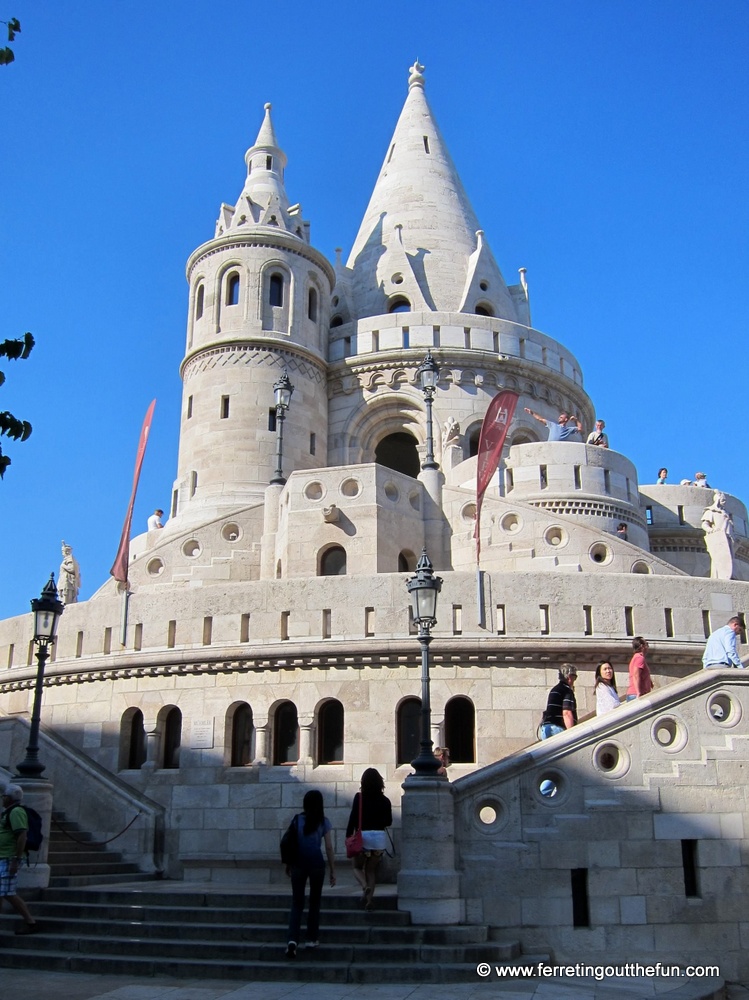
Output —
(419, 197)
(263, 201)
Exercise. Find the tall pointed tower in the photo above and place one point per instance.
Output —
(258, 304)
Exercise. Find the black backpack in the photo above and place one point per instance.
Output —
(290, 843)
(34, 835)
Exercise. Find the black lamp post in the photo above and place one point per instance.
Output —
(47, 610)
(427, 372)
(423, 589)
(282, 391)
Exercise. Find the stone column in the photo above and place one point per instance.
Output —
(261, 742)
(153, 744)
(433, 517)
(428, 884)
(306, 741)
(37, 793)
(270, 527)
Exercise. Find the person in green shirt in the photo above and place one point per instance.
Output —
(14, 824)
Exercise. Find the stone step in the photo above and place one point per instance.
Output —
(209, 900)
(307, 967)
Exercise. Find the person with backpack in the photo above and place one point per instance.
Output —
(14, 825)
(311, 828)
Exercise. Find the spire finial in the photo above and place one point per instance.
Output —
(267, 106)
(416, 75)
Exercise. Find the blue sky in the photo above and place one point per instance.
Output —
(604, 146)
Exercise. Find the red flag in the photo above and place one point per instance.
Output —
(491, 441)
(119, 569)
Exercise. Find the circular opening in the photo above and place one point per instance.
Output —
(723, 709)
(555, 535)
(641, 567)
(669, 734)
(397, 278)
(487, 815)
(611, 759)
(155, 567)
(468, 513)
(511, 523)
(548, 788)
(415, 500)
(490, 814)
(231, 532)
(392, 492)
(483, 285)
(314, 491)
(600, 553)
(191, 548)
(351, 488)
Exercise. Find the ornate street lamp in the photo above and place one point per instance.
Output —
(427, 373)
(47, 610)
(423, 588)
(282, 391)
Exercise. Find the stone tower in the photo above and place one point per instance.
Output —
(258, 304)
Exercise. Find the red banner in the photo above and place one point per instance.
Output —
(119, 569)
(491, 441)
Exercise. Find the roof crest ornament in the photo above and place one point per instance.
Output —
(416, 75)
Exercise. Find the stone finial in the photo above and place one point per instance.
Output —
(416, 75)
(267, 106)
(331, 515)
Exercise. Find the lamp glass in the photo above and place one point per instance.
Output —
(45, 624)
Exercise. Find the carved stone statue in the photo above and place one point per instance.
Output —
(69, 580)
(718, 526)
(450, 432)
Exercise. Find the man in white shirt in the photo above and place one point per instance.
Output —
(597, 437)
(154, 520)
(720, 650)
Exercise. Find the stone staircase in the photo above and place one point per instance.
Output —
(176, 930)
(76, 860)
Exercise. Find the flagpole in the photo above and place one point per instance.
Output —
(123, 622)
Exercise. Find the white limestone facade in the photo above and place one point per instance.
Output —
(266, 645)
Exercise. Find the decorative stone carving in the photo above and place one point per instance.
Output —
(69, 579)
(718, 526)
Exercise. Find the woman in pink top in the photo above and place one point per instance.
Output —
(640, 682)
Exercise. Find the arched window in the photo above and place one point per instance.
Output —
(312, 304)
(398, 451)
(241, 734)
(232, 289)
(460, 730)
(199, 301)
(473, 443)
(275, 293)
(286, 734)
(171, 723)
(399, 304)
(408, 728)
(132, 740)
(336, 321)
(333, 561)
(330, 733)
(406, 562)
(483, 309)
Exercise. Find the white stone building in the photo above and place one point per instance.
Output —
(268, 646)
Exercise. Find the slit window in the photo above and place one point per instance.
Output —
(232, 289)
(576, 470)
(629, 621)
(689, 864)
(501, 621)
(588, 616)
(706, 623)
(580, 906)
(426, 143)
(268, 162)
(543, 617)
(199, 301)
(649, 515)
(326, 623)
(224, 407)
(275, 294)
(244, 628)
(189, 407)
(272, 419)
(668, 614)
(543, 478)
(312, 304)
